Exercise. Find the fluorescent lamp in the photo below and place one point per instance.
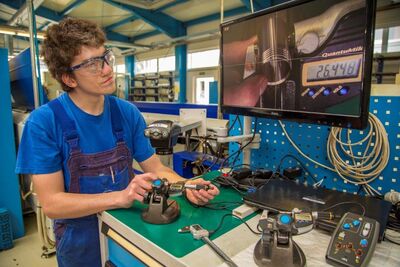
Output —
(9, 30)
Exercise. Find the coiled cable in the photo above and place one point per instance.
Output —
(359, 170)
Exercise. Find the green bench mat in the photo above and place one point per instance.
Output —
(167, 237)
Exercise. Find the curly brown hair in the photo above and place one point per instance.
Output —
(65, 40)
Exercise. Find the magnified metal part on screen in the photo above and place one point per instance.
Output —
(276, 60)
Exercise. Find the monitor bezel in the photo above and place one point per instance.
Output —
(337, 120)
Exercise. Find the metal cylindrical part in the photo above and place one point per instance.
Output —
(274, 49)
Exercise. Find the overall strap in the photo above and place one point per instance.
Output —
(68, 127)
(116, 120)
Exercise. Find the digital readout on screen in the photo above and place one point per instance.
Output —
(341, 68)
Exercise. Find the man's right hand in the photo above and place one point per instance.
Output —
(136, 189)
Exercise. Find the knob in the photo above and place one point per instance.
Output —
(157, 183)
(327, 91)
(285, 219)
(359, 252)
(346, 226)
(343, 91)
(364, 243)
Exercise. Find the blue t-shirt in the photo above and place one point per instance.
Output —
(42, 149)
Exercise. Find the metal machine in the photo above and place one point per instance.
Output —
(160, 209)
(276, 247)
(23, 102)
(163, 135)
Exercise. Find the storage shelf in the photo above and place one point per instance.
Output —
(158, 82)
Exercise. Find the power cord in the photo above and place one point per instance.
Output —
(239, 151)
(364, 171)
(347, 203)
(232, 215)
(359, 169)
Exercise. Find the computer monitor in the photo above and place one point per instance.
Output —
(308, 61)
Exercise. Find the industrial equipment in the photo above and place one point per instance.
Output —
(276, 247)
(163, 135)
(161, 210)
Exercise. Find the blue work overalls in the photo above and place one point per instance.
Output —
(77, 240)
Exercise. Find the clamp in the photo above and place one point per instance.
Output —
(162, 210)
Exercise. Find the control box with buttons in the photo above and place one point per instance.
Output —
(353, 241)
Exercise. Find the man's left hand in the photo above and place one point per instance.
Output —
(201, 197)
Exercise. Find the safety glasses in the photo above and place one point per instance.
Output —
(96, 64)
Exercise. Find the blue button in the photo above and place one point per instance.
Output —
(346, 226)
(327, 91)
(364, 243)
(343, 91)
(356, 223)
(285, 219)
(157, 182)
(251, 190)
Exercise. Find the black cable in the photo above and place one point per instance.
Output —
(212, 151)
(248, 143)
(213, 164)
(237, 153)
(220, 150)
(218, 158)
(346, 203)
(360, 187)
(222, 220)
(222, 205)
(234, 185)
(195, 147)
(233, 123)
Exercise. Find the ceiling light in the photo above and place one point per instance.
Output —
(18, 31)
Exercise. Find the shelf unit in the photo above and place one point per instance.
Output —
(156, 87)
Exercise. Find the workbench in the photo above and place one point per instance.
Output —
(126, 240)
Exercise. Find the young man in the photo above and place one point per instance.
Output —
(79, 147)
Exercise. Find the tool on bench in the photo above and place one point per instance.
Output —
(198, 233)
(162, 210)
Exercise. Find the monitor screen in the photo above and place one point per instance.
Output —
(308, 61)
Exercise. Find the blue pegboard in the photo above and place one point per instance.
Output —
(312, 140)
